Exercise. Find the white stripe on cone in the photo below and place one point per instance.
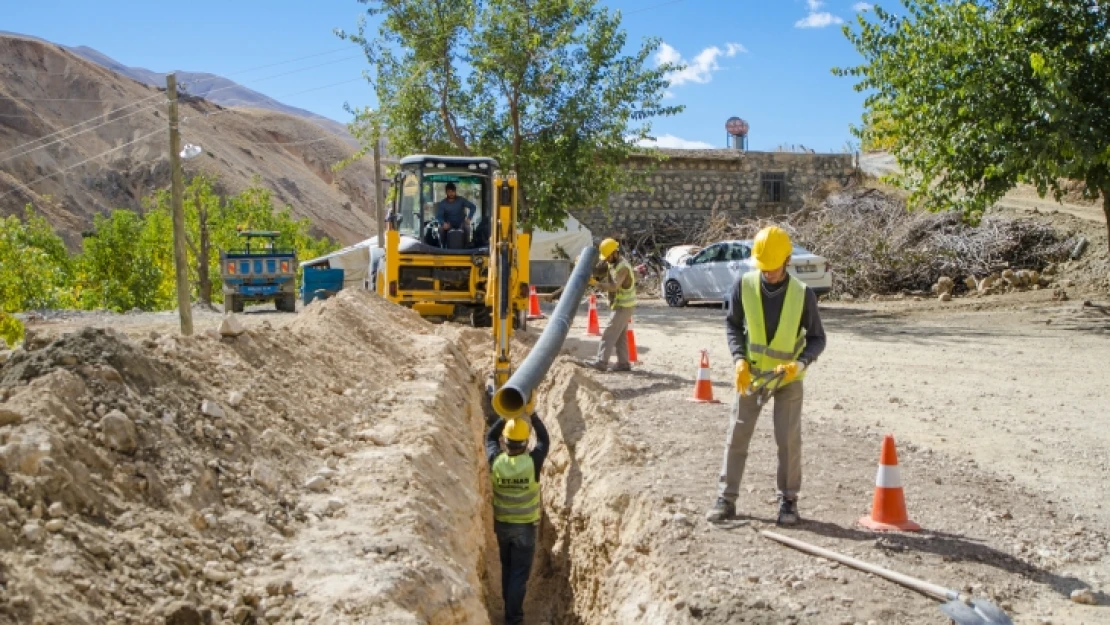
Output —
(703, 373)
(888, 477)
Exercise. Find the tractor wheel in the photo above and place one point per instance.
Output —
(482, 318)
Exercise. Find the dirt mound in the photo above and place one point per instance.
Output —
(325, 470)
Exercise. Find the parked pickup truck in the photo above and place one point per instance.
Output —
(259, 272)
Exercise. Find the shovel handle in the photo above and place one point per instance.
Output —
(939, 593)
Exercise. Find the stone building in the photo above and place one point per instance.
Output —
(690, 185)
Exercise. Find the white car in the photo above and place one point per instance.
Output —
(709, 274)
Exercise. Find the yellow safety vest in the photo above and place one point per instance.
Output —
(790, 336)
(624, 298)
(516, 493)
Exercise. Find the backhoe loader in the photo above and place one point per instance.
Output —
(448, 273)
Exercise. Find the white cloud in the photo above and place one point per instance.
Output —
(818, 20)
(671, 141)
(816, 17)
(860, 7)
(698, 70)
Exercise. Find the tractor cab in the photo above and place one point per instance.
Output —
(423, 183)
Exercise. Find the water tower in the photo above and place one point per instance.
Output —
(737, 133)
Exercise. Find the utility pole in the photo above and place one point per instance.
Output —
(184, 306)
(379, 192)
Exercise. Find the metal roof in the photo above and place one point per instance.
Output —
(454, 161)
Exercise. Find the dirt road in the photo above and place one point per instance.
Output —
(1001, 423)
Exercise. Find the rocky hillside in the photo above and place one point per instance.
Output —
(45, 90)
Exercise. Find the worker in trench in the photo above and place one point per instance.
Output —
(775, 334)
(620, 284)
(515, 474)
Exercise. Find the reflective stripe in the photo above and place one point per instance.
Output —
(522, 498)
(888, 477)
(505, 511)
(703, 373)
(767, 351)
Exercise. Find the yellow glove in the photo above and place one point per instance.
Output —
(743, 377)
(791, 370)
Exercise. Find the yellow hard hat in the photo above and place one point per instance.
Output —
(607, 247)
(772, 248)
(517, 430)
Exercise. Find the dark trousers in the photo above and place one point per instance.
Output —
(517, 543)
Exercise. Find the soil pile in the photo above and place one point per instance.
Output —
(325, 471)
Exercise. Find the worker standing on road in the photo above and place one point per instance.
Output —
(516, 504)
(774, 333)
(621, 287)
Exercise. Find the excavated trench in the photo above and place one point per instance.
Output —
(593, 560)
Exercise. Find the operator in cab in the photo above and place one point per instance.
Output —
(515, 476)
(455, 212)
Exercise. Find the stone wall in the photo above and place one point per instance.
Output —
(690, 185)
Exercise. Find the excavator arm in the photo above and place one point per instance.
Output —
(507, 294)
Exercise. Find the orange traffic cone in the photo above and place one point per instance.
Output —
(593, 327)
(632, 357)
(703, 387)
(888, 510)
(534, 304)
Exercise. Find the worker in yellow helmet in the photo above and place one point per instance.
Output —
(515, 474)
(774, 333)
(620, 284)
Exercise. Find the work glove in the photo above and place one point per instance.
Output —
(790, 370)
(743, 377)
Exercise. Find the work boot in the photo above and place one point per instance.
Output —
(788, 512)
(624, 367)
(723, 510)
(597, 365)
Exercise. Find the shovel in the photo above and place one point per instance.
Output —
(959, 607)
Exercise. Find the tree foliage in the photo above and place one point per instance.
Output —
(543, 86)
(988, 94)
(36, 271)
(126, 261)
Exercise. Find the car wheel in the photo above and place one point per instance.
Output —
(672, 292)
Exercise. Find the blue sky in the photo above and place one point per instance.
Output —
(767, 61)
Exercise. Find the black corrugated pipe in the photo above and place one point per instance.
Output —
(512, 399)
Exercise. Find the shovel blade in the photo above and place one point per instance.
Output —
(980, 612)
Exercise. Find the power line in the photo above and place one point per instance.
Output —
(68, 137)
(75, 165)
(58, 132)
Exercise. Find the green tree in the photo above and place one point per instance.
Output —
(988, 94)
(36, 271)
(119, 266)
(541, 85)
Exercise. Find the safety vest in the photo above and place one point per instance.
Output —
(516, 493)
(790, 336)
(624, 298)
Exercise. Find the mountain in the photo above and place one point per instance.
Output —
(45, 90)
(216, 89)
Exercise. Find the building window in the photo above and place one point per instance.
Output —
(774, 187)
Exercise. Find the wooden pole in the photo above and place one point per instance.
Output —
(379, 192)
(184, 305)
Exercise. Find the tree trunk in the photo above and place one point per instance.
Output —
(204, 282)
(1106, 212)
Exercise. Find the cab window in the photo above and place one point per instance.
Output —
(410, 204)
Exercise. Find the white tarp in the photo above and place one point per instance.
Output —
(571, 239)
(353, 260)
